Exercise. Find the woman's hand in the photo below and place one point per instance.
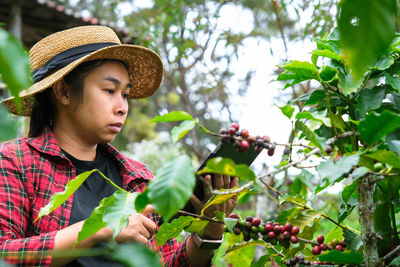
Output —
(139, 229)
(215, 230)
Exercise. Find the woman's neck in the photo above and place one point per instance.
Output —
(74, 145)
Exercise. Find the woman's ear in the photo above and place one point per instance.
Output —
(61, 92)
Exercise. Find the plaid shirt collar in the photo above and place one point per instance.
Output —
(46, 143)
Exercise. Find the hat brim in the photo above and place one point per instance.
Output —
(144, 67)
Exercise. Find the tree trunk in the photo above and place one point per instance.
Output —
(366, 210)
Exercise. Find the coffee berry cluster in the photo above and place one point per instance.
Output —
(242, 140)
(271, 232)
(334, 244)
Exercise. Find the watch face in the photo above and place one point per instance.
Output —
(210, 245)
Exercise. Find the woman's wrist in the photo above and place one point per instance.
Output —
(213, 231)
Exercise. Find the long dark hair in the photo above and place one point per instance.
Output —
(44, 110)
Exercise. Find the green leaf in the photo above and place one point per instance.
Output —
(319, 116)
(135, 255)
(182, 129)
(173, 186)
(367, 28)
(228, 167)
(370, 99)
(335, 233)
(348, 191)
(394, 145)
(173, 116)
(306, 218)
(218, 199)
(310, 135)
(287, 111)
(8, 125)
(297, 200)
(395, 261)
(303, 70)
(142, 201)
(336, 256)
(197, 225)
(119, 207)
(325, 53)
(383, 62)
(352, 240)
(14, 64)
(377, 126)
(328, 74)
(95, 221)
(334, 170)
(230, 223)
(59, 198)
(310, 98)
(385, 156)
(359, 172)
(172, 229)
(393, 81)
(242, 257)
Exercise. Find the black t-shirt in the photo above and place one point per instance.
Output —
(89, 195)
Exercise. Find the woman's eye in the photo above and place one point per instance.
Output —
(125, 95)
(110, 91)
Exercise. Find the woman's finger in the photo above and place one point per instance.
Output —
(197, 204)
(207, 186)
(218, 181)
(234, 182)
(227, 181)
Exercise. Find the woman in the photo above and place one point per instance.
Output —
(83, 78)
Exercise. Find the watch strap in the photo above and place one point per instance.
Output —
(206, 243)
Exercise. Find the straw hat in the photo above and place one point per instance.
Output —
(56, 55)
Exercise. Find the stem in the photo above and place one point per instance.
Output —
(108, 180)
(391, 255)
(396, 237)
(307, 241)
(366, 210)
(199, 216)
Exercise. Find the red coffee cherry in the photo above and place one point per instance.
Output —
(231, 131)
(237, 231)
(235, 125)
(248, 225)
(270, 152)
(233, 216)
(295, 230)
(269, 228)
(294, 239)
(339, 247)
(323, 247)
(244, 133)
(266, 139)
(316, 250)
(244, 144)
(320, 239)
(277, 229)
(251, 139)
(288, 227)
(271, 235)
(286, 235)
(256, 222)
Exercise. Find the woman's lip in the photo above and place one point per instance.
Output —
(115, 128)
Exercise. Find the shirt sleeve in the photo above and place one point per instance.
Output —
(15, 208)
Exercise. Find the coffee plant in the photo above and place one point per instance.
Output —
(349, 125)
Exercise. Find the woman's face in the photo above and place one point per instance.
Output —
(102, 113)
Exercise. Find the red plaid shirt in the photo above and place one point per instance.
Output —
(31, 171)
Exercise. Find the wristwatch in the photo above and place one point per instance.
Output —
(206, 243)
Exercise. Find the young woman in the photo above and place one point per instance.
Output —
(83, 78)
